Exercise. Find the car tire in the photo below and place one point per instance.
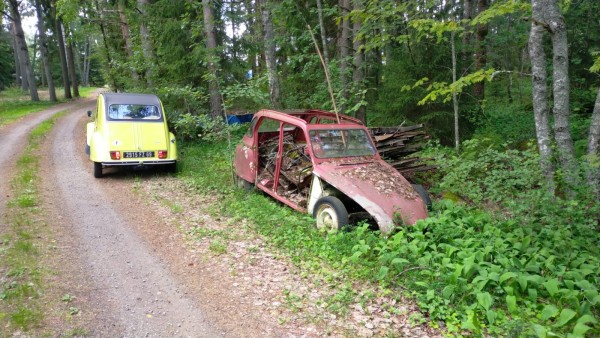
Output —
(331, 214)
(423, 194)
(243, 184)
(97, 169)
(172, 168)
(87, 149)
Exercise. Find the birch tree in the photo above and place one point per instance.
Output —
(547, 17)
(540, 98)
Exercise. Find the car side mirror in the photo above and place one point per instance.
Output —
(89, 113)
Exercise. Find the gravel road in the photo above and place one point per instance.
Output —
(12, 141)
(144, 300)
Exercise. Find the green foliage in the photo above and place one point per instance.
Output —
(501, 9)
(189, 127)
(251, 95)
(444, 90)
(596, 66)
(529, 268)
(7, 63)
(183, 98)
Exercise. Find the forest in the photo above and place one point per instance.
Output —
(508, 91)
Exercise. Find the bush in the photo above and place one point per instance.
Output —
(190, 127)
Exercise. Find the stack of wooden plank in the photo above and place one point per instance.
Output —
(397, 146)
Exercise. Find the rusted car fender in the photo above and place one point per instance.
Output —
(388, 196)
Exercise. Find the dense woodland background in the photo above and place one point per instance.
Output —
(508, 89)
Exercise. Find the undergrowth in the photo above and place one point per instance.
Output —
(497, 256)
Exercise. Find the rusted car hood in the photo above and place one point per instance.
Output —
(378, 188)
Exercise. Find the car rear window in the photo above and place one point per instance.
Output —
(133, 112)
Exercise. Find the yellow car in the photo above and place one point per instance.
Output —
(129, 130)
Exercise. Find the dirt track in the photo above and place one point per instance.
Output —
(121, 284)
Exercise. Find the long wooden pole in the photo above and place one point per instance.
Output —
(327, 77)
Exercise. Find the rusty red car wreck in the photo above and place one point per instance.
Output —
(326, 165)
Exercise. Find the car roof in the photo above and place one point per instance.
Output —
(303, 116)
(130, 98)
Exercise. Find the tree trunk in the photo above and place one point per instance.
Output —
(15, 47)
(44, 51)
(26, 69)
(270, 58)
(480, 53)
(466, 38)
(147, 45)
(454, 95)
(593, 168)
(540, 97)
(561, 109)
(344, 51)
(323, 32)
(125, 32)
(63, 58)
(358, 74)
(211, 46)
(111, 77)
(85, 74)
(71, 65)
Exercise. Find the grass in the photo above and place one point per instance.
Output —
(14, 103)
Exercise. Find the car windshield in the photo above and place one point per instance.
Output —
(133, 112)
(335, 143)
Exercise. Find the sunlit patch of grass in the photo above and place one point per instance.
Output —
(14, 103)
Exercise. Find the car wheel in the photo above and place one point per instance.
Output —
(97, 169)
(243, 184)
(331, 214)
(423, 194)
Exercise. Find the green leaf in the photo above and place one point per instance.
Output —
(507, 275)
(565, 317)
(422, 284)
(485, 300)
(585, 319)
(491, 316)
(540, 331)
(399, 261)
(448, 291)
(580, 329)
(430, 294)
(511, 304)
(549, 311)
(532, 294)
(471, 322)
(552, 286)
(383, 271)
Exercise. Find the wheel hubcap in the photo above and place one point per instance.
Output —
(327, 218)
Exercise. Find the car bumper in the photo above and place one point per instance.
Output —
(137, 163)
